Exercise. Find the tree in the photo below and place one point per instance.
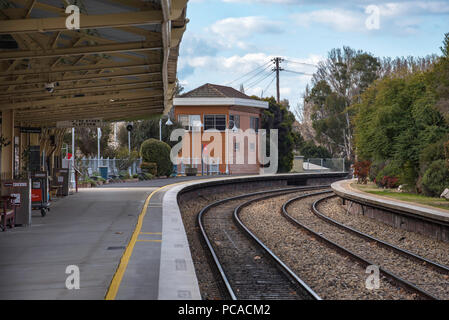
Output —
(179, 88)
(278, 117)
(86, 140)
(147, 129)
(401, 124)
(310, 151)
(337, 83)
(445, 47)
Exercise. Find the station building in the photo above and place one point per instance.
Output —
(118, 64)
(223, 109)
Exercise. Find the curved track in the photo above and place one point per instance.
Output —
(359, 246)
(249, 270)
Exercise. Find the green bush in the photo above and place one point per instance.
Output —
(310, 150)
(145, 176)
(389, 175)
(156, 151)
(409, 177)
(149, 167)
(126, 159)
(124, 175)
(149, 176)
(376, 167)
(431, 153)
(436, 178)
(93, 183)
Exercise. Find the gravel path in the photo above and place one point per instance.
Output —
(420, 274)
(331, 274)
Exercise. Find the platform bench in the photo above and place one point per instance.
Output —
(7, 214)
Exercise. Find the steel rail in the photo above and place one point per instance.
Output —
(205, 236)
(309, 291)
(398, 280)
(409, 254)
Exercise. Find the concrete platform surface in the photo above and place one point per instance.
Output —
(89, 230)
(343, 189)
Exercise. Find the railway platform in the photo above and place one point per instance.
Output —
(127, 240)
(423, 219)
(90, 230)
(343, 188)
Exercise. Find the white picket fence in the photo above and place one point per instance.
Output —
(212, 166)
(115, 166)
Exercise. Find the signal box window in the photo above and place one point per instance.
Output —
(215, 121)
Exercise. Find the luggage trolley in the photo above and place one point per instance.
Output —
(40, 196)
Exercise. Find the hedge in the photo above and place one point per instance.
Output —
(436, 178)
(156, 151)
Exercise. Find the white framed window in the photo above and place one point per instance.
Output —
(190, 121)
(215, 121)
(254, 123)
(234, 120)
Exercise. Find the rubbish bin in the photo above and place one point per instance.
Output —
(104, 172)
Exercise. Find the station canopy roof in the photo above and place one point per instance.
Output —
(120, 65)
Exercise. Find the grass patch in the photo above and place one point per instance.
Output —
(403, 196)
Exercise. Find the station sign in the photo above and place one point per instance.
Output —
(30, 130)
(86, 123)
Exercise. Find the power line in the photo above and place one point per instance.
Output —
(260, 72)
(303, 63)
(265, 90)
(297, 72)
(254, 83)
(247, 74)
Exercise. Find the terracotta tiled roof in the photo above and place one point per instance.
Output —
(214, 91)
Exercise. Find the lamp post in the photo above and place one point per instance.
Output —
(168, 123)
(98, 146)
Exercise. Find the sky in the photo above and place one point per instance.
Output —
(227, 39)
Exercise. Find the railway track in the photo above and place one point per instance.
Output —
(248, 269)
(426, 278)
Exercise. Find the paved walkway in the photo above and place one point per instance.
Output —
(343, 188)
(91, 230)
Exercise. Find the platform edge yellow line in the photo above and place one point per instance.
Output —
(118, 276)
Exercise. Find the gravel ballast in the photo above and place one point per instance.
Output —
(331, 274)
(429, 248)
(190, 204)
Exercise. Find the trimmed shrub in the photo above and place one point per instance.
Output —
(149, 167)
(389, 176)
(389, 182)
(156, 151)
(436, 178)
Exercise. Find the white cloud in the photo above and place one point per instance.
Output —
(234, 31)
(341, 20)
(395, 9)
(399, 17)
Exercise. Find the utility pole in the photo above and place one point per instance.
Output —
(277, 61)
